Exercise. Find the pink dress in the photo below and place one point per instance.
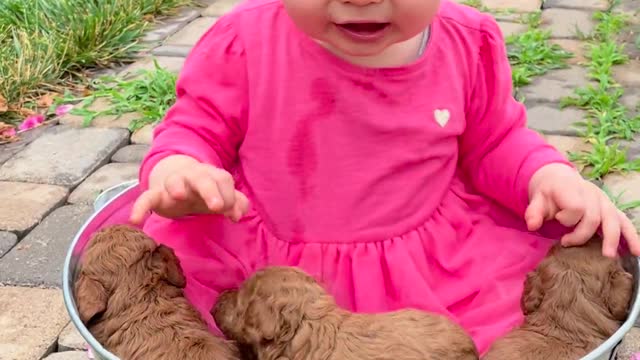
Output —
(395, 187)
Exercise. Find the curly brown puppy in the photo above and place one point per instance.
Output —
(129, 293)
(283, 313)
(573, 301)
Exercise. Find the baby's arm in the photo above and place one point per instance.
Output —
(498, 153)
(208, 120)
(184, 172)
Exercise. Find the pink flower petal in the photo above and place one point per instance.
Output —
(8, 132)
(31, 122)
(63, 109)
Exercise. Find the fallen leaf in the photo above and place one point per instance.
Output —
(3, 104)
(25, 112)
(7, 133)
(45, 101)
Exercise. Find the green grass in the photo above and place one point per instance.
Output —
(150, 94)
(608, 121)
(45, 43)
(531, 54)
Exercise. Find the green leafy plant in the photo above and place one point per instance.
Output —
(150, 95)
(45, 43)
(531, 54)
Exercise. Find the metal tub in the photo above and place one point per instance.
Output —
(111, 207)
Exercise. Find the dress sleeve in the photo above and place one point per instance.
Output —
(208, 120)
(498, 153)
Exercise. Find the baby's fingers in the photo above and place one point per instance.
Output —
(536, 212)
(611, 229)
(204, 186)
(240, 207)
(146, 202)
(630, 234)
(585, 229)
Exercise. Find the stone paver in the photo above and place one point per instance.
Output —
(104, 178)
(107, 121)
(568, 23)
(631, 99)
(64, 157)
(170, 26)
(172, 50)
(630, 345)
(30, 321)
(219, 8)
(191, 33)
(7, 151)
(515, 5)
(576, 4)
(628, 74)
(37, 260)
(568, 144)
(576, 47)
(510, 28)
(24, 204)
(7, 241)
(70, 339)
(68, 355)
(131, 154)
(143, 136)
(555, 85)
(628, 185)
(170, 63)
(549, 119)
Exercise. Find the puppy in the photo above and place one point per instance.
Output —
(283, 313)
(129, 293)
(573, 301)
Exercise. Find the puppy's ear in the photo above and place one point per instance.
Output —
(91, 298)
(225, 313)
(164, 258)
(532, 294)
(617, 295)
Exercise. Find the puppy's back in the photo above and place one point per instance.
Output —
(406, 335)
(522, 344)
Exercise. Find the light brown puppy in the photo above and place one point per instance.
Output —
(573, 301)
(129, 294)
(283, 313)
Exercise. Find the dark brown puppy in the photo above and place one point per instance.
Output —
(283, 313)
(574, 300)
(129, 294)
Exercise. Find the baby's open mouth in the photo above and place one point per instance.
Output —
(364, 31)
(364, 28)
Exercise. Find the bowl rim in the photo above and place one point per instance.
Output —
(608, 347)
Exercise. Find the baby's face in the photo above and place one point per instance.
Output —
(361, 27)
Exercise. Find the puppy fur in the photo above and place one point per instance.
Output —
(283, 313)
(129, 293)
(573, 301)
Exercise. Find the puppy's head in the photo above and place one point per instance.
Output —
(121, 257)
(270, 306)
(578, 280)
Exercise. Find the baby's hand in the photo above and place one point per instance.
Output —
(557, 191)
(179, 186)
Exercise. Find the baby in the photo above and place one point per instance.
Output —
(376, 145)
(283, 313)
